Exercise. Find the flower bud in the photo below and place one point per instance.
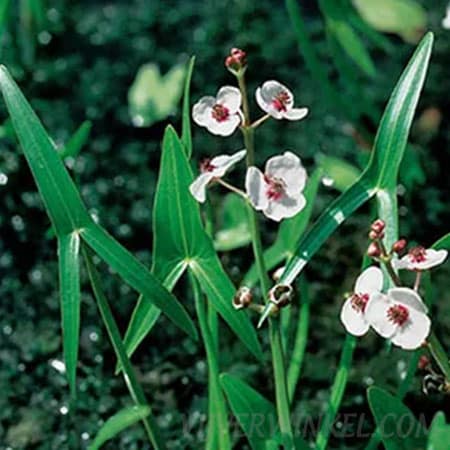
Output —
(374, 250)
(374, 235)
(424, 363)
(277, 274)
(378, 226)
(236, 61)
(281, 295)
(399, 246)
(243, 298)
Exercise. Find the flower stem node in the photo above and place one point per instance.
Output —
(236, 61)
(281, 295)
(243, 298)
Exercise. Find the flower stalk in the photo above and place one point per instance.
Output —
(278, 360)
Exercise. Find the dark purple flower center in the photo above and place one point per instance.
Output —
(281, 101)
(417, 254)
(359, 302)
(206, 166)
(220, 113)
(275, 188)
(398, 314)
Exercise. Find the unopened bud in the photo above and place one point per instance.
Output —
(374, 235)
(424, 362)
(236, 61)
(399, 246)
(378, 226)
(374, 250)
(281, 295)
(243, 298)
(277, 274)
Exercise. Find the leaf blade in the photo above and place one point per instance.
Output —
(69, 279)
(186, 135)
(119, 422)
(137, 276)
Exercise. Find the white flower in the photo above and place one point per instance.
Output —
(420, 258)
(211, 169)
(277, 100)
(221, 114)
(277, 192)
(353, 312)
(400, 316)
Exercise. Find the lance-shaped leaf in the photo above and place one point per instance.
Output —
(118, 423)
(180, 240)
(186, 135)
(69, 280)
(398, 427)
(77, 141)
(383, 166)
(57, 189)
(255, 414)
(137, 276)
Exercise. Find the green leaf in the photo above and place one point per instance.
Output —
(234, 232)
(60, 196)
(69, 280)
(255, 414)
(439, 435)
(118, 423)
(339, 173)
(137, 276)
(186, 136)
(389, 16)
(129, 375)
(338, 24)
(380, 175)
(289, 232)
(180, 240)
(398, 427)
(77, 141)
(153, 97)
(443, 243)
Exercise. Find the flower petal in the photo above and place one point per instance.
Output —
(271, 89)
(376, 315)
(223, 163)
(433, 258)
(230, 97)
(285, 207)
(370, 281)
(226, 127)
(201, 111)
(256, 188)
(295, 113)
(413, 334)
(288, 167)
(198, 186)
(408, 297)
(353, 321)
(400, 263)
(261, 102)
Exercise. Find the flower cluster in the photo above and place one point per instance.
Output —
(399, 314)
(277, 191)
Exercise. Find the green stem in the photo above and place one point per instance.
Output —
(337, 392)
(135, 389)
(439, 355)
(219, 410)
(279, 368)
(301, 337)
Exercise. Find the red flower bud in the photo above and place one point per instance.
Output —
(236, 61)
(424, 362)
(378, 226)
(399, 246)
(374, 250)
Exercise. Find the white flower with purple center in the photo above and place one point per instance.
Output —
(353, 312)
(221, 114)
(212, 169)
(420, 258)
(278, 101)
(400, 316)
(278, 191)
